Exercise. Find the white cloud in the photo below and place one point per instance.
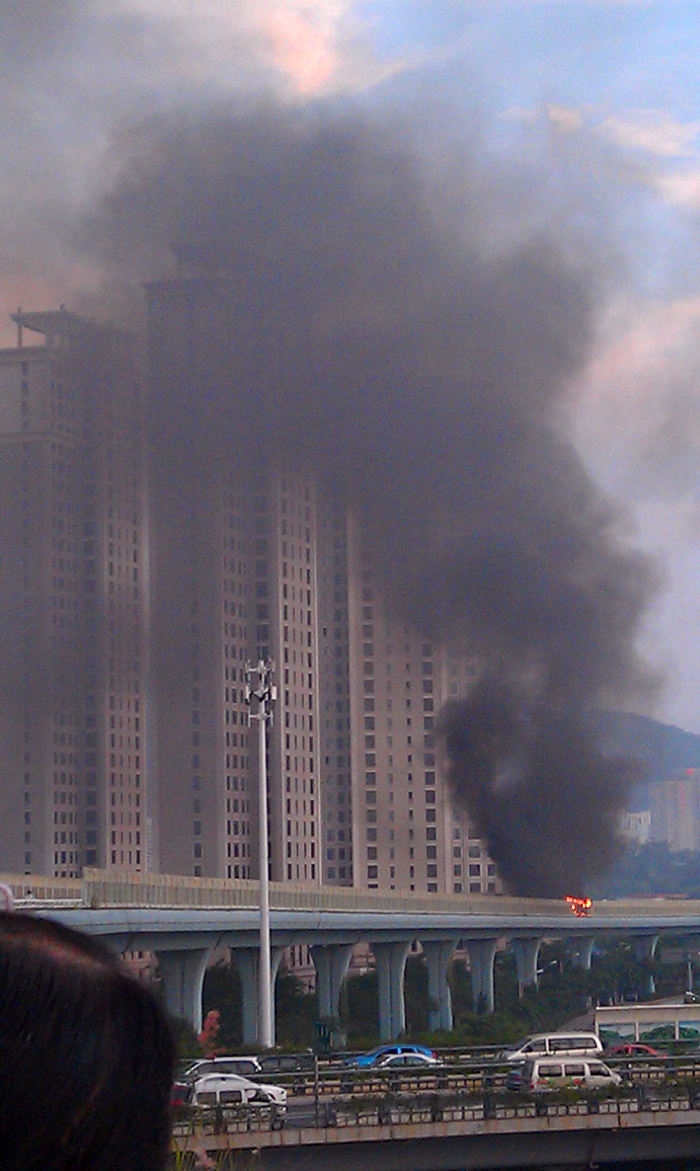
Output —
(636, 421)
(680, 188)
(636, 402)
(654, 132)
(565, 118)
(305, 46)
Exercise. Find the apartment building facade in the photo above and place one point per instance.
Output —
(132, 616)
(72, 580)
(406, 834)
(234, 579)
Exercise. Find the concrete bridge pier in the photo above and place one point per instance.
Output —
(331, 962)
(643, 949)
(526, 951)
(438, 954)
(246, 961)
(182, 973)
(482, 953)
(580, 949)
(391, 964)
(692, 948)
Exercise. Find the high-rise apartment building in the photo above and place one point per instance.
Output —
(130, 620)
(406, 835)
(335, 687)
(234, 561)
(675, 810)
(73, 585)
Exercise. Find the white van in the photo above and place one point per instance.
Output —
(540, 1074)
(551, 1043)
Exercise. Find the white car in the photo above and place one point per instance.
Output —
(407, 1061)
(221, 1089)
(246, 1066)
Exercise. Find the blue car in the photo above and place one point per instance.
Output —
(376, 1055)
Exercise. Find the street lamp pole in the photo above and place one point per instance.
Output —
(260, 694)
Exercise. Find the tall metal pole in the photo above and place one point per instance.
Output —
(259, 687)
(264, 973)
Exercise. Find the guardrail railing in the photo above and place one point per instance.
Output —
(113, 888)
(472, 1076)
(391, 1109)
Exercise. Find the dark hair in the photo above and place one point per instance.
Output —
(86, 1055)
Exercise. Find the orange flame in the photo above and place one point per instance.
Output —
(579, 907)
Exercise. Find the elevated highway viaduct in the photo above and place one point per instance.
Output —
(561, 1138)
(183, 920)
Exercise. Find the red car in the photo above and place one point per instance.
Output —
(633, 1049)
(180, 1094)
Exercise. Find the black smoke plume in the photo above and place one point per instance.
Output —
(377, 326)
(540, 792)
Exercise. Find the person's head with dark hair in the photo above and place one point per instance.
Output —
(86, 1056)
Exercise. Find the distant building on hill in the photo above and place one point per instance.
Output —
(636, 827)
(675, 810)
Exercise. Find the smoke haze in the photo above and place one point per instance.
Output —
(421, 375)
(410, 331)
(540, 792)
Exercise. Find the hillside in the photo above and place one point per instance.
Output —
(662, 748)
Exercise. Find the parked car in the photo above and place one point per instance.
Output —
(216, 1089)
(245, 1066)
(542, 1074)
(362, 1060)
(551, 1043)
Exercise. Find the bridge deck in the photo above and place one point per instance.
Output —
(384, 1140)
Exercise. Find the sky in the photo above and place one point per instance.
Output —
(579, 118)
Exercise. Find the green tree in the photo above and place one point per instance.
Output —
(296, 1012)
(186, 1042)
(222, 991)
(652, 869)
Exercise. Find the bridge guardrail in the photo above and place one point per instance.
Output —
(110, 888)
(436, 1107)
(28, 889)
(114, 888)
(471, 1076)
